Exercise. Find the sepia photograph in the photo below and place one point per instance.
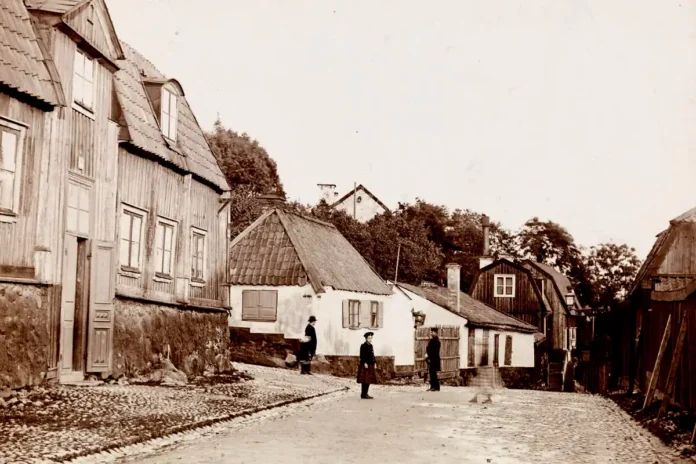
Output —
(333, 231)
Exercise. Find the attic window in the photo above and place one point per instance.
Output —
(169, 113)
(504, 286)
(83, 80)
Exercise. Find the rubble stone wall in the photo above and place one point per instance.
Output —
(24, 336)
(191, 338)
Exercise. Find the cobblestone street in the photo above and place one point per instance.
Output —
(407, 425)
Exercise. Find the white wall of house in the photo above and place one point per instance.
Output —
(365, 209)
(296, 304)
(437, 315)
(522, 347)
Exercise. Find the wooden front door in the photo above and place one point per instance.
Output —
(496, 350)
(101, 308)
(73, 262)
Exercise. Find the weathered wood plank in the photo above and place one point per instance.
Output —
(671, 377)
(21, 272)
(656, 371)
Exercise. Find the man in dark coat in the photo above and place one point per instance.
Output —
(308, 348)
(366, 368)
(432, 357)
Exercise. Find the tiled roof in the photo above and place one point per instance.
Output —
(22, 65)
(283, 248)
(53, 6)
(191, 152)
(476, 312)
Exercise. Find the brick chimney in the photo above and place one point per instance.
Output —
(453, 285)
(270, 201)
(486, 258)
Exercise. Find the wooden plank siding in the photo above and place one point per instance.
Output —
(524, 306)
(653, 327)
(22, 233)
(162, 192)
(681, 256)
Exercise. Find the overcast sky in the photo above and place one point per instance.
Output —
(582, 112)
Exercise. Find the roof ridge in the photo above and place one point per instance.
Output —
(141, 56)
(306, 217)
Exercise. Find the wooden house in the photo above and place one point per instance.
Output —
(487, 337)
(64, 231)
(656, 329)
(286, 267)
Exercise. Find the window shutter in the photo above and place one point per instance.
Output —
(508, 350)
(268, 301)
(472, 347)
(380, 314)
(346, 314)
(250, 304)
(365, 314)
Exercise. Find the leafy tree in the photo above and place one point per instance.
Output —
(612, 269)
(355, 232)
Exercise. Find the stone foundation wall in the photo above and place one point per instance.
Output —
(143, 331)
(24, 334)
(261, 348)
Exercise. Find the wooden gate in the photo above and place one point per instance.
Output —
(449, 350)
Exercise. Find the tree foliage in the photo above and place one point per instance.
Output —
(612, 269)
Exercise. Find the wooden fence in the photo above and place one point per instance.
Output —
(449, 350)
(594, 375)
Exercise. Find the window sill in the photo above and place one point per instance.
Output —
(83, 110)
(503, 296)
(131, 272)
(261, 320)
(197, 283)
(7, 216)
(163, 278)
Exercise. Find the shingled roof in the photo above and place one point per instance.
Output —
(477, 313)
(22, 66)
(284, 248)
(191, 152)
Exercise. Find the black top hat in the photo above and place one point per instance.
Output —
(312, 319)
(367, 334)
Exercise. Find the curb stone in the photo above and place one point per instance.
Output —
(115, 451)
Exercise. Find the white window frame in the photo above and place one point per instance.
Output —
(132, 210)
(10, 214)
(159, 263)
(81, 184)
(169, 119)
(80, 79)
(197, 282)
(354, 324)
(505, 286)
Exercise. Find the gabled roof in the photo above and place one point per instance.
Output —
(477, 313)
(560, 282)
(22, 65)
(191, 152)
(54, 6)
(284, 248)
(357, 189)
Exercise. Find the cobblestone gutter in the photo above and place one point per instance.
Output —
(64, 423)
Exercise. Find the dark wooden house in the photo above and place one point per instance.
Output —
(663, 298)
(87, 156)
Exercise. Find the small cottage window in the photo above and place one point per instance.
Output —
(83, 80)
(260, 305)
(164, 247)
(198, 255)
(354, 314)
(374, 314)
(11, 150)
(130, 251)
(78, 209)
(169, 114)
(504, 285)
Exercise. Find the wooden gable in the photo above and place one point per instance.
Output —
(92, 22)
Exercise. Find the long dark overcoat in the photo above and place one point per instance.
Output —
(433, 352)
(367, 356)
(308, 349)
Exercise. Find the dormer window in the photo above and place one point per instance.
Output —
(169, 114)
(83, 80)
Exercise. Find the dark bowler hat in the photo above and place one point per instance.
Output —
(434, 329)
(312, 319)
(367, 334)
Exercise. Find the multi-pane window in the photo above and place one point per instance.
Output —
(11, 141)
(198, 255)
(169, 114)
(164, 247)
(374, 314)
(504, 285)
(130, 251)
(83, 80)
(77, 219)
(354, 314)
(363, 314)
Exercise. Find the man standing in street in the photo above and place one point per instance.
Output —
(309, 347)
(432, 357)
